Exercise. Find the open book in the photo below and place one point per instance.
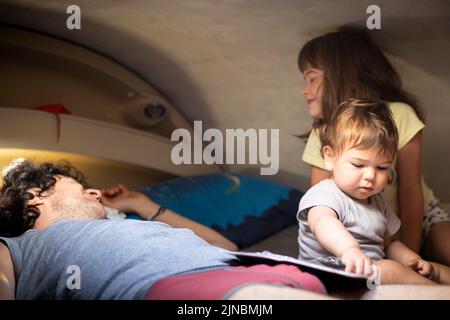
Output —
(333, 278)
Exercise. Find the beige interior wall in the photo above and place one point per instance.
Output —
(100, 173)
(39, 70)
(232, 64)
(87, 83)
(30, 78)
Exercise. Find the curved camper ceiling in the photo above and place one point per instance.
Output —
(113, 114)
(233, 64)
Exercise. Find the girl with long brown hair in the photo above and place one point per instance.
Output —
(348, 64)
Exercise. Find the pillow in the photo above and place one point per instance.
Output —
(244, 209)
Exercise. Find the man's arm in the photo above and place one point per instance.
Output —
(7, 279)
(204, 232)
(125, 200)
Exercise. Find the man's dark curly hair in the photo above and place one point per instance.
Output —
(16, 216)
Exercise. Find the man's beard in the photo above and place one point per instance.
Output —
(78, 209)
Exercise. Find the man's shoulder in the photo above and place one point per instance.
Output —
(3, 246)
(4, 251)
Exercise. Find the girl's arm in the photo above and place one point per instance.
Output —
(318, 174)
(335, 238)
(410, 195)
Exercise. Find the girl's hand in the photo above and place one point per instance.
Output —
(356, 261)
(422, 267)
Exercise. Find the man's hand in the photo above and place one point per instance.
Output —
(356, 261)
(124, 200)
(422, 267)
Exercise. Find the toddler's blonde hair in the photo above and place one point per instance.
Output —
(361, 124)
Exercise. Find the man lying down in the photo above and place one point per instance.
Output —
(55, 243)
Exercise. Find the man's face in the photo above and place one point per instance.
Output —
(69, 200)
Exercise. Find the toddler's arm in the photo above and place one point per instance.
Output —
(398, 251)
(333, 236)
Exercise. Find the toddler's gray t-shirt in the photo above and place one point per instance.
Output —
(369, 223)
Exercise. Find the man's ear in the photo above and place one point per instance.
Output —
(329, 156)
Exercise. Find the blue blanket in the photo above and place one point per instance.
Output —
(244, 209)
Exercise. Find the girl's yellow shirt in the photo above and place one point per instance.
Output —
(408, 125)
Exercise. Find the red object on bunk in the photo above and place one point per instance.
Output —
(56, 109)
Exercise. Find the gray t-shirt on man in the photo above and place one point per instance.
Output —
(111, 259)
(369, 223)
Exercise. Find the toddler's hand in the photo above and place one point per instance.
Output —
(356, 261)
(423, 267)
